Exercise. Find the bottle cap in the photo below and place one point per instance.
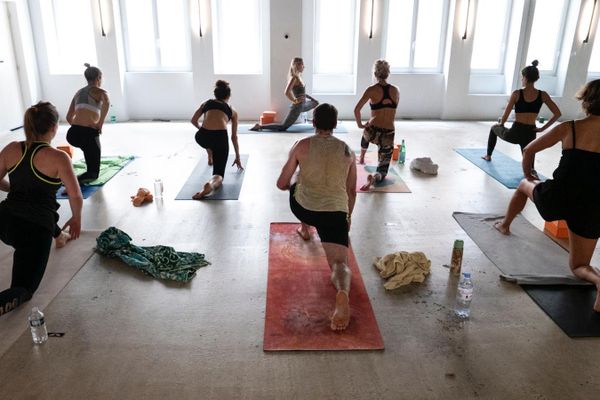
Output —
(459, 244)
(467, 274)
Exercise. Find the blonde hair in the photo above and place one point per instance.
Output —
(294, 73)
(38, 120)
(381, 69)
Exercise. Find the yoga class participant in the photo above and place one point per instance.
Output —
(573, 193)
(527, 103)
(86, 115)
(383, 99)
(212, 135)
(324, 197)
(296, 92)
(28, 216)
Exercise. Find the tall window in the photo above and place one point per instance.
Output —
(490, 36)
(594, 67)
(547, 33)
(157, 35)
(335, 42)
(415, 34)
(237, 37)
(69, 35)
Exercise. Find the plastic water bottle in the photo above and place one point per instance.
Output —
(158, 188)
(39, 333)
(113, 117)
(464, 295)
(402, 155)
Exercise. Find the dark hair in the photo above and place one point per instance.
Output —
(222, 90)
(590, 97)
(38, 120)
(530, 72)
(325, 117)
(92, 73)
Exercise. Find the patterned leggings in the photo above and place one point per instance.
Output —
(384, 139)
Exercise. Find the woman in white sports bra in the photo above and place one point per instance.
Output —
(86, 115)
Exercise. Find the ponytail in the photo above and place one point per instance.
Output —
(38, 120)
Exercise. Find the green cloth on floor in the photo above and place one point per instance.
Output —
(161, 262)
(109, 166)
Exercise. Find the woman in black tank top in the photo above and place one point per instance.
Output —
(573, 193)
(28, 216)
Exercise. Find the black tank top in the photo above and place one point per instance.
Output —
(217, 105)
(32, 195)
(386, 96)
(521, 106)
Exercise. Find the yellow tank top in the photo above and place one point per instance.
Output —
(322, 179)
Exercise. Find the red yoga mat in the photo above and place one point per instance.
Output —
(301, 298)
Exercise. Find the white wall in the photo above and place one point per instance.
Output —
(176, 95)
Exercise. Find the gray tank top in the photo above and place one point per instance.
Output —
(84, 100)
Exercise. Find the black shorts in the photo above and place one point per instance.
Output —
(332, 226)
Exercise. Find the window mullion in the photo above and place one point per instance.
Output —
(413, 35)
(156, 34)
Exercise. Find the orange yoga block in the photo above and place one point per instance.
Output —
(270, 114)
(396, 151)
(557, 229)
(67, 149)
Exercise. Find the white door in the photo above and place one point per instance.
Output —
(11, 103)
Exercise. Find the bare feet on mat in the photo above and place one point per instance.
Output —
(303, 232)
(487, 158)
(370, 182)
(501, 228)
(62, 239)
(341, 314)
(256, 128)
(597, 303)
(202, 194)
(361, 160)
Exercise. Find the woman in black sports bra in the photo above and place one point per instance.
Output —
(383, 99)
(28, 216)
(212, 135)
(573, 194)
(527, 103)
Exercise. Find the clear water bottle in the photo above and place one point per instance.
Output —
(113, 117)
(402, 155)
(464, 295)
(39, 333)
(158, 188)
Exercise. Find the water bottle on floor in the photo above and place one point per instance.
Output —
(464, 295)
(402, 155)
(37, 324)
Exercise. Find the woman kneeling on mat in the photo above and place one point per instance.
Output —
(86, 116)
(383, 99)
(28, 216)
(573, 193)
(527, 103)
(295, 90)
(212, 135)
(324, 197)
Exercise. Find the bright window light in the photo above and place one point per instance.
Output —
(430, 21)
(69, 35)
(546, 34)
(491, 31)
(594, 67)
(399, 33)
(237, 38)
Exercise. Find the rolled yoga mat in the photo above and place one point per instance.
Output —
(502, 168)
(296, 128)
(232, 181)
(531, 259)
(391, 184)
(301, 297)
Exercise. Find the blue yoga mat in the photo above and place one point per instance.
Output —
(86, 191)
(296, 128)
(502, 168)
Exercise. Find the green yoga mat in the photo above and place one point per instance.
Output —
(109, 166)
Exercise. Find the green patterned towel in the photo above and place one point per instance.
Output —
(161, 262)
(109, 166)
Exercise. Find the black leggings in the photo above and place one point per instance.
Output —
(521, 134)
(32, 247)
(88, 140)
(218, 143)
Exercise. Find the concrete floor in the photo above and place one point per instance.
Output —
(129, 336)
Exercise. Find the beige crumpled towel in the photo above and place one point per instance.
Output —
(402, 268)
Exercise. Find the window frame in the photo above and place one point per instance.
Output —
(507, 23)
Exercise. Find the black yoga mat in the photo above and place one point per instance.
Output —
(232, 181)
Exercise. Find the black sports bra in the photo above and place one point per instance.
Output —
(522, 106)
(386, 96)
(217, 105)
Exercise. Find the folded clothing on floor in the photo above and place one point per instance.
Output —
(425, 165)
(402, 268)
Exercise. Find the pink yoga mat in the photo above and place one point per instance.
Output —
(300, 298)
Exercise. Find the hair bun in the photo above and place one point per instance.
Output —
(87, 65)
(535, 63)
(222, 84)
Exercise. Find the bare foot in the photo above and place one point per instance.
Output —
(256, 128)
(304, 233)
(597, 303)
(210, 159)
(487, 158)
(205, 191)
(361, 160)
(501, 228)
(370, 182)
(62, 239)
(341, 314)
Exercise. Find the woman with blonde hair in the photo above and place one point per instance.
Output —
(28, 216)
(295, 90)
(383, 99)
(573, 192)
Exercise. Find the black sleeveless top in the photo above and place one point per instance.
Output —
(522, 106)
(386, 96)
(217, 105)
(32, 195)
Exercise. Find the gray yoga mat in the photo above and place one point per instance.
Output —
(232, 181)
